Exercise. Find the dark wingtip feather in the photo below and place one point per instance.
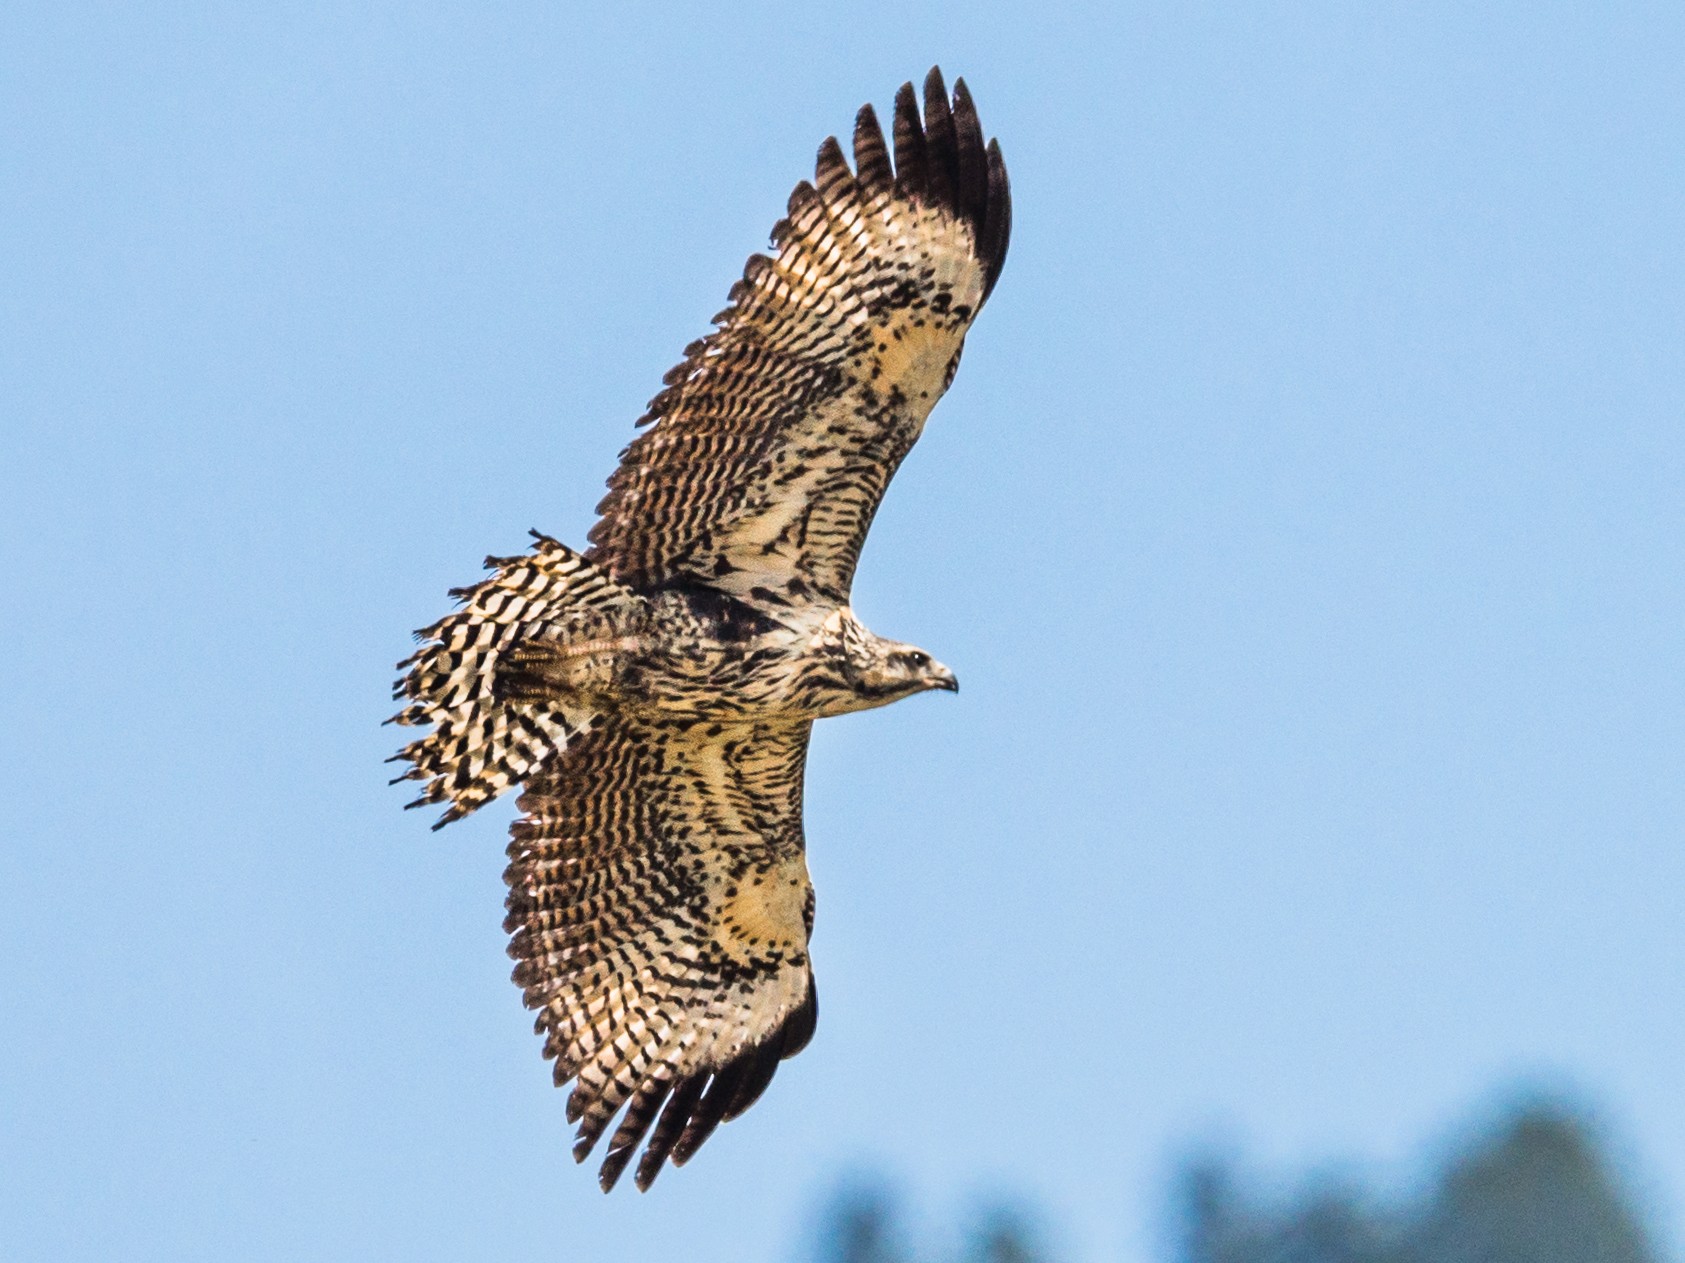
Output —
(758, 265)
(760, 1064)
(941, 160)
(802, 196)
(909, 144)
(645, 1105)
(935, 96)
(971, 179)
(798, 1028)
(710, 1109)
(939, 143)
(871, 157)
(680, 1106)
(997, 222)
(589, 1133)
(830, 171)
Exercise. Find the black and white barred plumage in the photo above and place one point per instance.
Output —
(653, 695)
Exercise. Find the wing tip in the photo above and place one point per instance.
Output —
(942, 160)
(685, 1113)
(831, 173)
(871, 154)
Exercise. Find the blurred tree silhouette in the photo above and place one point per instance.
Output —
(1328, 1225)
(1540, 1192)
(1536, 1188)
(863, 1225)
(1003, 1235)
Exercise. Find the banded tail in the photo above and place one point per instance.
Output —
(486, 737)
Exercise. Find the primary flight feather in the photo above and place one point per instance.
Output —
(653, 695)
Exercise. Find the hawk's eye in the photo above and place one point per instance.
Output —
(919, 658)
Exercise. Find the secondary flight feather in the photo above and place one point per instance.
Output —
(653, 695)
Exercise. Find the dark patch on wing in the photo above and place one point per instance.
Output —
(724, 616)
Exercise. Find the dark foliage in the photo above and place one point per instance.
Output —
(863, 1225)
(1536, 1188)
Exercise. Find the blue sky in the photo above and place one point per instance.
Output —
(1304, 523)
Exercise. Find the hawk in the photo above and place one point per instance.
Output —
(653, 695)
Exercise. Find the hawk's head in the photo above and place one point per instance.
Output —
(895, 670)
(867, 670)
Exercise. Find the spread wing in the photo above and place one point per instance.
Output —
(659, 908)
(769, 451)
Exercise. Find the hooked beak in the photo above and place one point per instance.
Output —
(942, 678)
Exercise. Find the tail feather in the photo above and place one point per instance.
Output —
(485, 741)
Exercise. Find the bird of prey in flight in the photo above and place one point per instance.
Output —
(653, 694)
